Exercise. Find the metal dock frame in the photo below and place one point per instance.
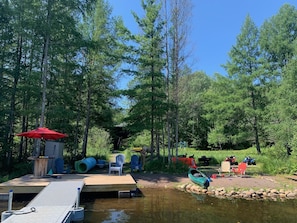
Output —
(54, 204)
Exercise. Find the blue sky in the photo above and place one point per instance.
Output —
(214, 26)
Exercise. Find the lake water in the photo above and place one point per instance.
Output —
(166, 205)
(173, 206)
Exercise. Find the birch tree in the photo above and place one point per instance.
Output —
(179, 12)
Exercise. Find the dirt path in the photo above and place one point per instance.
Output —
(153, 180)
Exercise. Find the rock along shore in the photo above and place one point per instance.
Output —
(248, 187)
(266, 194)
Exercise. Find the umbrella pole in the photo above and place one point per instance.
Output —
(37, 148)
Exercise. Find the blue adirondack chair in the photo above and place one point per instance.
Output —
(135, 163)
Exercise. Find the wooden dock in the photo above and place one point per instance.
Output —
(92, 183)
(54, 204)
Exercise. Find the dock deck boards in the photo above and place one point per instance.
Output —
(93, 183)
(52, 205)
(58, 193)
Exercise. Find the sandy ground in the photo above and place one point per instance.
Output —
(153, 180)
(256, 182)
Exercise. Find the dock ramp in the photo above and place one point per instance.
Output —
(54, 204)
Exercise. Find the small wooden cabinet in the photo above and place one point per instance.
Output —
(40, 166)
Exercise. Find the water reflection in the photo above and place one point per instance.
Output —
(116, 216)
(162, 206)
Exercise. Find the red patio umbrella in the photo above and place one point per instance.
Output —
(43, 133)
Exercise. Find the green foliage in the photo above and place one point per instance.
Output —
(177, 167)
(216, 137)
(244, 72)
(192, 121)
(19, 169)
(276, 161)
(279, 166)
(276, 38)
(272, 160)
(156, 165)
(255, 103)
(128, 153)
(148, 90)
(161, 165)
(142, 139)
(99, 143)
(277, 152)
(100, 62)
(282, 110)
(268, 162)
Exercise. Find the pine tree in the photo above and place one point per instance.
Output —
(244, 69)
(98, 30)
(148, 90)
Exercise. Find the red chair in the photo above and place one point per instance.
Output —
(240, 169)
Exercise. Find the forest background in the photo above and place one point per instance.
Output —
(60, 61)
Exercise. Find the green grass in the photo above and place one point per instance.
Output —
(271, 161)
(268, 162)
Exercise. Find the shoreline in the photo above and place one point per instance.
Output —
(247, 187)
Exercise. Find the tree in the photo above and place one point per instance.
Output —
(244, 68)
(52, 73)
(36, 30)
(193, 125)
(99, 33)
(54, 44)
(276, 37)
(147, 93)
(179, 16)
(282, 113)
(278, 42)
(7, 81)
(224, 114)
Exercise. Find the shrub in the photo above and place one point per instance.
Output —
(99, 143)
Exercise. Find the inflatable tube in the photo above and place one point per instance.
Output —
(84, 165)
(76, 164)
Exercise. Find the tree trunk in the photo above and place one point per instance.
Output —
(11, 119)
(167, 85)
(44, 75)
(87, 125)
(255, 125)
(152, 111)
(78, 119)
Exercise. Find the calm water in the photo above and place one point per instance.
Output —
(172, 206)
(162, 206)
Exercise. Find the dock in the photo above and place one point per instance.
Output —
(28, 184)
(57, 196)
(54, 204)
